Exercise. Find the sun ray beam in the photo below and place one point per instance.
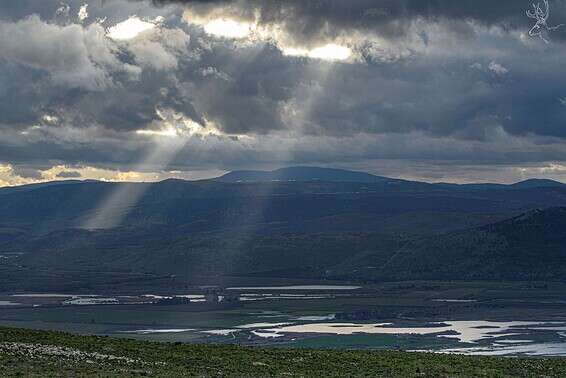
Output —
(111, 212)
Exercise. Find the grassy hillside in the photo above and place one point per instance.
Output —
(41, 353)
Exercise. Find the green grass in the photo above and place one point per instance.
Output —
(374, 341)
(177, 360)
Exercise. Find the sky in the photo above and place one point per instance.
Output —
(140, 90)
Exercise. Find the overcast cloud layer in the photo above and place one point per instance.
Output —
(437, 90)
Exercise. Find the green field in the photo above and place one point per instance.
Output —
(45, 353)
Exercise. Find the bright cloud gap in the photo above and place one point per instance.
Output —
(231, 29)
(228, 29)
(130, 28)
(332, 52)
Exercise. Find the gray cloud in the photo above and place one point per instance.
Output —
(441, 82)
(73, 56)
(313, 20)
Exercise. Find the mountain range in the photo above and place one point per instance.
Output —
(293, 223)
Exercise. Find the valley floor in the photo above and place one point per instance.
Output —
(43, 353)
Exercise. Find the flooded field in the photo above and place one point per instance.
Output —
(451, 319)
(297, 287)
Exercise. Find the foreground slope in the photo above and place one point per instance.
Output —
(41, 354)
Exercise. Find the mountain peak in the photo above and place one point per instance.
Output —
(537, 183)
(302, 173)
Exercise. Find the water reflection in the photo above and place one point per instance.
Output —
(463, 331)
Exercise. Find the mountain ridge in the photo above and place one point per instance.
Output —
(303, 174)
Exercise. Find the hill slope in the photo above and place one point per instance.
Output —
(208, 230)
(528, 247)
(42, 353)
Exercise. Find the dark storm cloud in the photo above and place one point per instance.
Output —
(258, 79)
(439, 81)
(312, 20)
(78, 75)
(415, 96)
(15, 97)
(112, 10)
(129, 106)
(446, 98)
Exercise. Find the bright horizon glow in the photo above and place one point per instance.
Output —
(129, 28)
(228, 28)
(331, 52)
(9, 178)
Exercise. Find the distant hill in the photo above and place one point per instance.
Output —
(531, 246)
(23, 188)
(527, 184)
(302, 174)
(306, 200)
(527, 247)
(307, 174)
(537, 183)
